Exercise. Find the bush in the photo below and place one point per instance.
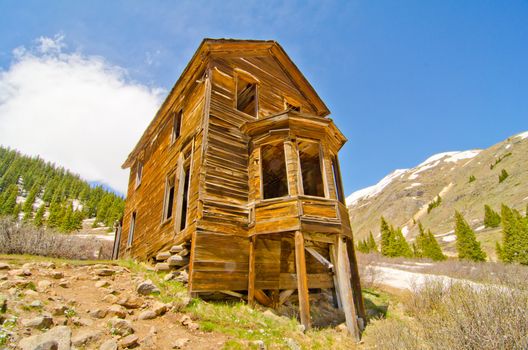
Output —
(503, 175)
(18, 238)
(456, 316)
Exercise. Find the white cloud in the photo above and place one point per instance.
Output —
(76, 110)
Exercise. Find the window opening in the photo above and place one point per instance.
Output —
(312, 177)
(337, 180)
(246, 97)
(168, 203)
(139, 173)
(132, 229)
(274, 175)
(176, 125)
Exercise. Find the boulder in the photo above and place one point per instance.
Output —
(147, 315)
(120, 326)
(189, 323)
(159, 308)
(101, 284)
(4, 266)
(147, 287)
(39, 322)
(110, 344)
(104, 272)
(160, 267)
(176, 249)
(117, 310)
(130, 341)
(130, 302)
(162, 256)
(56, 338)
(180, 343)
(57, 275)
(176, 260)
(43, 285)
(86, 337)
(97, 313)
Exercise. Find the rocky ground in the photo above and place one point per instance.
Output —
(46, 305)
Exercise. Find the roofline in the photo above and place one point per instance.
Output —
(203, 50)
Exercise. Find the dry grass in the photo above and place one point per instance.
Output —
(17, 238)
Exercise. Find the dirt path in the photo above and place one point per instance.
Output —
(90, 307)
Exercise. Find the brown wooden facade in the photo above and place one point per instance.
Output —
(240, 162)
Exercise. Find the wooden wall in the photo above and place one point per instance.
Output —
(160, 158)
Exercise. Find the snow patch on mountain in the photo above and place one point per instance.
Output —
(522, 135)
(371, 191)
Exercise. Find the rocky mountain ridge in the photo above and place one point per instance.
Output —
(465, 181)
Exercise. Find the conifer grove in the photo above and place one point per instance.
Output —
(54, 197)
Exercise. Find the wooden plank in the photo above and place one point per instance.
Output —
(251, 274)
(314, 280)
(355, 281)
(302, 281)
(345, 289)
(320, 258)
(284, 295)
(262, 298)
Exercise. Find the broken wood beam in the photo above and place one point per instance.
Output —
(320, 258)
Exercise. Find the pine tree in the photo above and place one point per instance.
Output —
(30, 200)
(467, 246)
(16, 211)
(38, 221)
(55, 215)
(372, 246)
(491, 217)
(514, 246)
(472, 178)
(387, 239)
(10, 200)
(402, 248)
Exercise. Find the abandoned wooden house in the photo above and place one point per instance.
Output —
(240, 166)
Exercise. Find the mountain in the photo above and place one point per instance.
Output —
(41, 192)
(465, 181)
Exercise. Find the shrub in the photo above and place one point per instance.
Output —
(19, 238)
(435, 203)
(503, 175)
(472, 178)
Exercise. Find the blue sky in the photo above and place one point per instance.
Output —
(403, 79)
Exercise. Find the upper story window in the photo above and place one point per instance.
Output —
(246, 95)
(176, 125)
(139, 173)
(290, 105)
(274, 174)
(312, 176)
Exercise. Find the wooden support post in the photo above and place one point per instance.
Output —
(345, 288)
(302, 280)
(336, 295)
(251, 272)
(355, 281)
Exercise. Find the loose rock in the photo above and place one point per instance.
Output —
(120, 326)
(129, 341)
(98, 313)
(57, 275)
(147, 315)
(180, 343)
(110, 344)
(117, 310)
(147, 287)
(4, 266)
(39, 322)
(61, 336)
(101, 284)
(86, 337)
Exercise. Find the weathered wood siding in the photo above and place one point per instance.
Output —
(160, 158)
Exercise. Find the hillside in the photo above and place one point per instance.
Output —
(45, 194)
(403, 196)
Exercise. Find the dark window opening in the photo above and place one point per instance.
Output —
(337, 180)
(246, 98)
(312, 177)
(176, 125)
(139, 173)
(185, 199)
(291, 107)
(169, 198)
(274, 176)
(132, 228)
